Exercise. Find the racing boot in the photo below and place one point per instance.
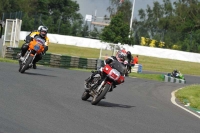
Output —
(34, 66)
(18, 56)
(87, 81)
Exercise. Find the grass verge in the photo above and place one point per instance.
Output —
(190, 94)
(157, 77)
(8, 60)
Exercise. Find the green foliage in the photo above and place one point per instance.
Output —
(95, 33)
(117, 31)
(174, 23)
(60, 16)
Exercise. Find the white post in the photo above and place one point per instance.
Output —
(131, 21)
(15, 32)
(12, 32)
(4, 40)
(100, 52)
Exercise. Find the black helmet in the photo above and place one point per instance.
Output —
(128, 53)
(43, 31)
(175, 70)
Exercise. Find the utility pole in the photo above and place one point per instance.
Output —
(131, 21)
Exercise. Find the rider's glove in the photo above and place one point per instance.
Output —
(45, 49)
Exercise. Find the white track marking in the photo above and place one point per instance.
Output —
(174, 102)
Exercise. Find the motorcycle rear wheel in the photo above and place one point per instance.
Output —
(97, 98)
(85, 96)
(26, 66)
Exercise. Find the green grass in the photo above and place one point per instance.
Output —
(168, 65)
(8, 60)
(190, 94)
(157, 77)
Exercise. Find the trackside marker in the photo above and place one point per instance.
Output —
(187, 105)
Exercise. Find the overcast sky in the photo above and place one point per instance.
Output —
(89, 6)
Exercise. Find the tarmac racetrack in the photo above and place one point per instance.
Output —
(48, 100)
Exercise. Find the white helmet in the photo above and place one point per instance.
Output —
(40, 27)
(43, 31)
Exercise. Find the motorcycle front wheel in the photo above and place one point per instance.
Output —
(20, 66)
(26, 65)
(97, 98)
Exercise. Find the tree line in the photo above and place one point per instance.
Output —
(175, 24)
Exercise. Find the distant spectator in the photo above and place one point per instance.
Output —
(135, 60)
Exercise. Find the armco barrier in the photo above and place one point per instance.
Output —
(11, 53)
(137, 68)
(65, 61)
(57, 60)
(173, 80)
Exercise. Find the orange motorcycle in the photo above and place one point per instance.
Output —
(36, 46)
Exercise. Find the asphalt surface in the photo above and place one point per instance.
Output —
(48, 100)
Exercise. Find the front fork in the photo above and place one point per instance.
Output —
(100, 86)
(28, 53)
(103, 83)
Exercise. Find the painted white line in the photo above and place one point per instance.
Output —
(188, 104)
(174, 102)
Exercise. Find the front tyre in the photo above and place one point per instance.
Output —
(85, 96)
(26, 65)
(20, 66)
(97, 98)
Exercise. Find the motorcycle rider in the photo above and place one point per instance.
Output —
(175, 73)
(120, 57)
(42, 32)
(129, 58)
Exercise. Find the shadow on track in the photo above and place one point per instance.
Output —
(45, 69)
(38, 74)
(108, 104)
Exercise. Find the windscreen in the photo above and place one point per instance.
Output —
(118, 66)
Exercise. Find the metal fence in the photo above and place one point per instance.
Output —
(11, 15)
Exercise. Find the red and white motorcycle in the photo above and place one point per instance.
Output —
(104, 82)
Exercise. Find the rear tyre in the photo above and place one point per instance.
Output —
(26, 66)
(97, 98)
(85, 96)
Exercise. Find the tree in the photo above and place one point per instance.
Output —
(94, 33)
(117, 31)
(124, 7)
(4, 6)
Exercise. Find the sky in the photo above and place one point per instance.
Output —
(89, 6)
